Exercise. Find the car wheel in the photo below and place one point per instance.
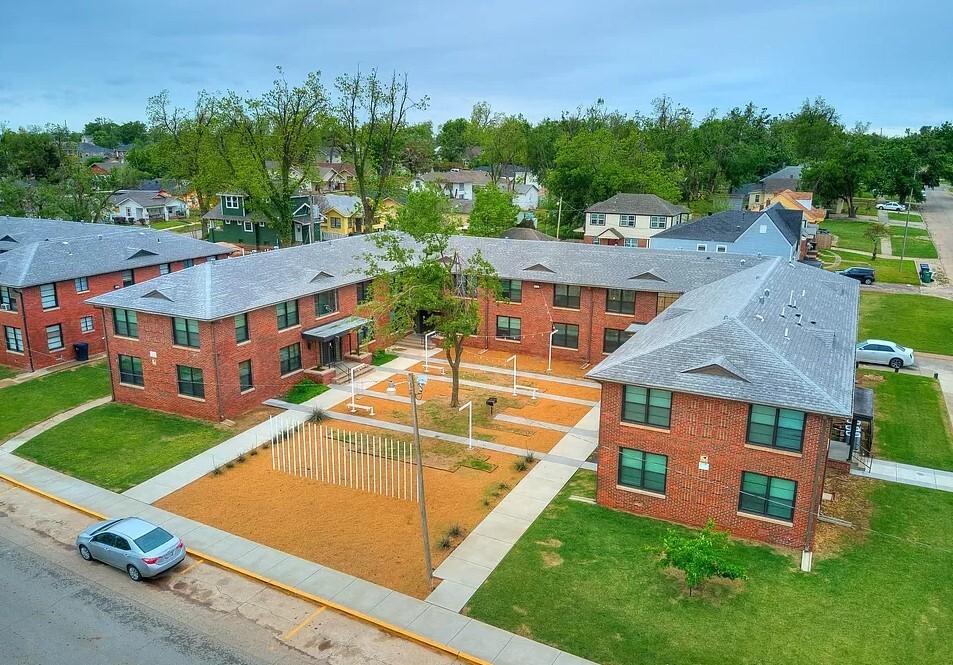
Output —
(867, 280)
(896, 363)
(84, 552)
(134, 573)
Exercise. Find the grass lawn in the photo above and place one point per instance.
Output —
(583, 578)
(924, 323)
(7, 372)
(919, 244)
(902, 217)
(382, 357)
(911, 424)
(161, 226)
(850, 235)
(33, 401)
(117, 446)
(887, 270)
(305, 390)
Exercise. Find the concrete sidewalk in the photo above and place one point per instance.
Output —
(472, 562)
(583, 383)
(27, 434)
(907, 474)
(347, 592)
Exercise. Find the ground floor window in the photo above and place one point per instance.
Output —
(191, 381)
(612, 339)
(13, 338)
(130, 370)
(642, 470)
(244, 376)
(566, 335)
(508, 327)
(768, 496)
(54, 337)
(290, 357)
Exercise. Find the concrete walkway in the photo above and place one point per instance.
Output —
(907, 474)
(27, 434)
(886, 247)
(520, 390)
(583, 383)
(415, 616)
(472, 562)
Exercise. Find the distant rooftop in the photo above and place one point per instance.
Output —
(641, 204)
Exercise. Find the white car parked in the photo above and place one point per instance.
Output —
(882, 352)
(891, 205)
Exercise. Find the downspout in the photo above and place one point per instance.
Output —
(26, 330)
(218, 382)
(819, 476)
(592, 310)
(112, 380)
(486, 323)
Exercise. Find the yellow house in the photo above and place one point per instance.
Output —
(460, 212)
(386, 212)
(803, 201)
(343, 215)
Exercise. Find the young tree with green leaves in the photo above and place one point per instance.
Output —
(369, 116)
(875, 232)
(424, 274)
(700, 555)
(81, 196)
(268, 145)
(493, 212)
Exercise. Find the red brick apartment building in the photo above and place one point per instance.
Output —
(721, 374)
(49, 268)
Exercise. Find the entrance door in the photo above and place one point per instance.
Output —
(421, 324)
(298, 233)
(330, 351)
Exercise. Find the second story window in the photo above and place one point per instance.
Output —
(647, 406)
(241, 328)
(512, 290)
(566, 335)
(128, 278)
(776, 428)
(627, 220)
(658, 222)
(8, 301)
(365, 291)
(82, 284)
(48, 298)
(620, 301)
(125, 323)
(567, 296)
(325, 303)
(231, 202)
(164, 269)
(185, 332)
(597, 218)
(287, 314)
(188, 263)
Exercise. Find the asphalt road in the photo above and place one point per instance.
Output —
(56, 608)
(937, 212)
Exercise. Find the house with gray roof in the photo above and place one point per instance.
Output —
(772, 232)
(49, 268)
(145, 205)
(629, 220)
(455, 183)
(788, 177)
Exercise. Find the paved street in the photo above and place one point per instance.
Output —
(937, 212)
(54, 604)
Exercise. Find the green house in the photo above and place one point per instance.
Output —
(233, 221)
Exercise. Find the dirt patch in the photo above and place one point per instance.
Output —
(373, 537)
(551, 559)
(869, 380)
(250, 418)
(850, 501)
(536, 364)
(552, 542)
(714, 590)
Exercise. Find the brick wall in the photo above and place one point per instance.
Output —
(72, 308)
(220, 352)
(704, 426)
(537, 314)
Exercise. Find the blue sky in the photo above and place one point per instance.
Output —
(881, 61)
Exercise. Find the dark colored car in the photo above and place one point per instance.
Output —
(863, 275)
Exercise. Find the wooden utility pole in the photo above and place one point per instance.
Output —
(559, 217)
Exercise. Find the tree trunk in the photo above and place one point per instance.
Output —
(876, 246)
(454, 354)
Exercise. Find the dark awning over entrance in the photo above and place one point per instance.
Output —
(863, 404)
(335, 328)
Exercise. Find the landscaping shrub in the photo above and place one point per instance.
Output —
(381, 357)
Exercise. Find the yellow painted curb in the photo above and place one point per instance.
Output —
(360, 616)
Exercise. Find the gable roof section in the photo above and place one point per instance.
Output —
(731, 320)
(789, 222)
(637, 204)
(476, 177)
(725, 226)
(347, 205)
(47, 251)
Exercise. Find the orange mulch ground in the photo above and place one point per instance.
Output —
(527, 363)
(370, 536)
(523, 382)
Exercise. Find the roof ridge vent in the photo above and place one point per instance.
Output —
(539, 267)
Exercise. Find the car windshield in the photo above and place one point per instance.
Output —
(155, 538)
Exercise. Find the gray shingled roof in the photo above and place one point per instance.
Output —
(525, 233)
(637, 204)
(727, 226)
(474, 176)
(791, 172)
(44, 251)
(210, 292)
(729, 339)
(147, 198)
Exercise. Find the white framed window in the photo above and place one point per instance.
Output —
(249, 227)
(658, 222)
(721, 248)
(631, 242)
(701, 247)
(231, 202)
(86, 324)
(48, 299)
(597, 218)
(54, 337)
(627, 220)
(164, 269)
(82, 284)
(763, 228)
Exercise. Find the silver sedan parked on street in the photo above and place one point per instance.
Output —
(882, 352)
(139, 547)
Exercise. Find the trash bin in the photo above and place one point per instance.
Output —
(81, 349)
(926, 276)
